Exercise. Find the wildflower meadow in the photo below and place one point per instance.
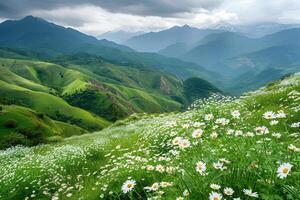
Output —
(220, 148)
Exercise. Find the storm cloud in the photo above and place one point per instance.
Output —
(98, 16)
(11, 8)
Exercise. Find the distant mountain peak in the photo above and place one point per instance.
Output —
(32, 18)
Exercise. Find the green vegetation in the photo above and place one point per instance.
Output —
(23, 126)
(86, 91)
(238, 148)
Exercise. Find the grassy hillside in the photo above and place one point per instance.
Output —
(51, 105)
(87, 91)
(243, 148)
(23, 126)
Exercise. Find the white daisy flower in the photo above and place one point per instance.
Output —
(208, 117)
(215, 186)
(197, 133)
(214, 135)
(176, 140)
(155, 186)
(128, 186)
(295, 125)
(160, 168)
(236, 114)
(215, 196)
(219, 165)
(185, 143)
(274, 122)
(283, 170)
(293, 148)
(249, 193)
(186, 193)
(228, 191)
(201, 167)
(269, 115)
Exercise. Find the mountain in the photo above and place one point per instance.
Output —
(215, 48)
(236, 56)
(175, 50)
(42, 40)
(256, 30)
(156, 41)
(35, 33)
(119, 36)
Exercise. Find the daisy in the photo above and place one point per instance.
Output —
(128, 186)
(219, 165)
(274, 122)
(160, 168)
(176, 141)
(281, 114)
(236, 114)
(228, 191)
(179, 198)
(214, 135)
(150, 168)
(186, 193)
(295, 125)
(269, 115)
(201, 167)
(197, 133)
(208, 117)
(165, 184)
(283, 170)
(184, 144)
(293, 148)
(249, 193)
(215, 196)
(276, 135)
(261, 130)
(215, 186)
(230, 132)
(250, 134)
(155, 186)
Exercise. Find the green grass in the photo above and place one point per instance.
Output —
(95, 166)
(30, 121)
(50, 105)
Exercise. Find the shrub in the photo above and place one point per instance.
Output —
(10, 123)
(13, 139)
(35, 136)
(54, 139)
(41, 115)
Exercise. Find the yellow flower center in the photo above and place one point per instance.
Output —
(216, 198)
(129, 185)
(285, 170)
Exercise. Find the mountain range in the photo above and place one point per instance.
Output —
(244, 51)
(67, 83)
(119, 36)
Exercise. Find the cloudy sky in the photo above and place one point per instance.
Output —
(98, 16)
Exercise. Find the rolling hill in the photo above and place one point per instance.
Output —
(85, 92)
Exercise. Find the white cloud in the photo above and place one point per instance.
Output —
(98, 16)
(95, 20)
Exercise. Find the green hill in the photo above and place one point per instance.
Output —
(243, 148)
(23, 126)
(88, 91)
